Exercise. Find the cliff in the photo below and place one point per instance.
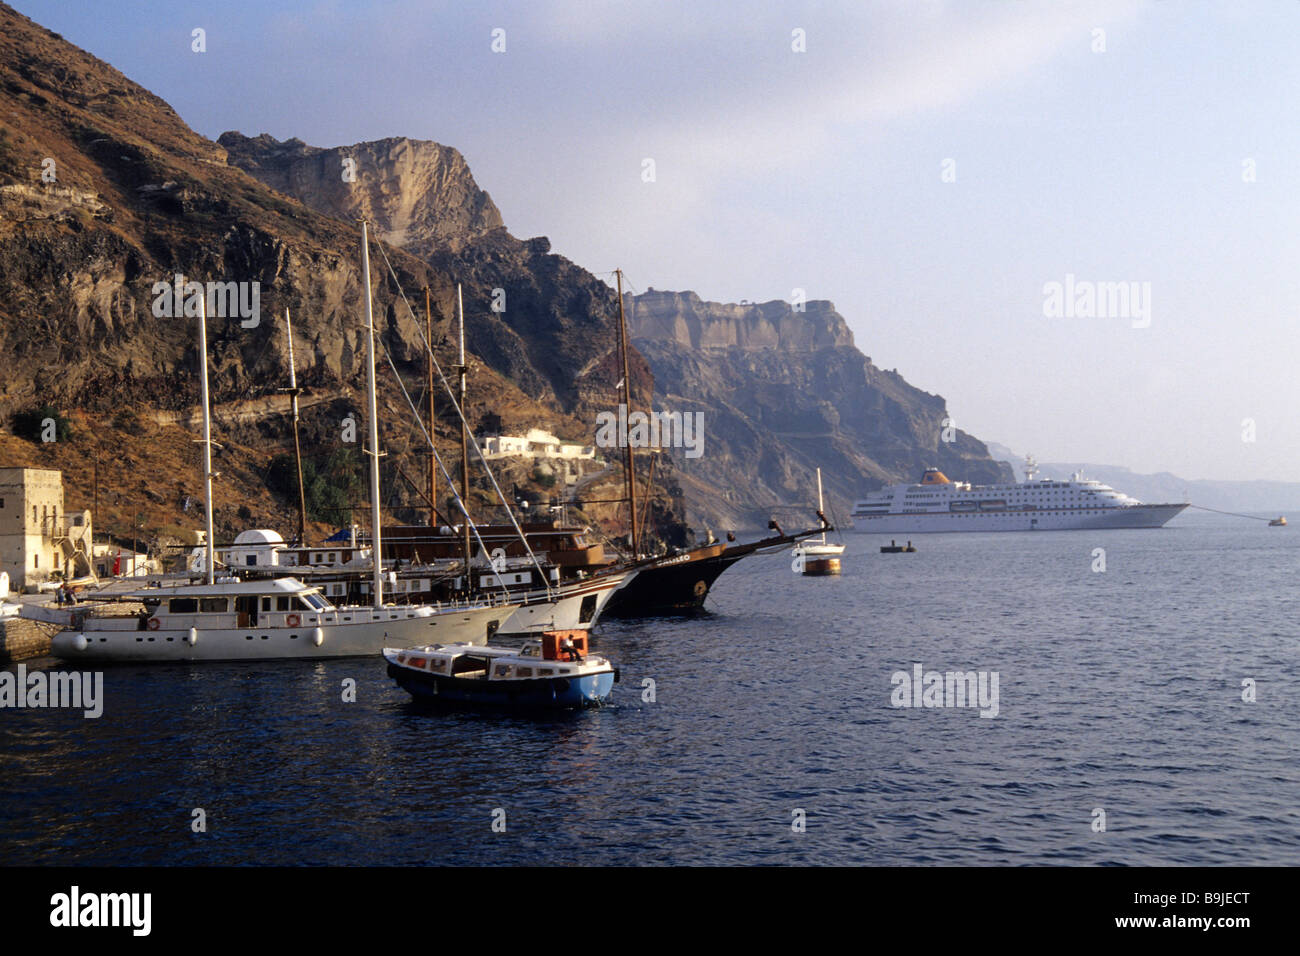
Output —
(105, 192)
(783, 392)
(419, 195)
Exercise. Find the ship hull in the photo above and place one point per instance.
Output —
(678, 585)
(578, 609)
(668, 589)
(550, 693)
(1089, 519)
(356, 638)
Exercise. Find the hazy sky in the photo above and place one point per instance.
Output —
(824, 170)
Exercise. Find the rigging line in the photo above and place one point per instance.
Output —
(487, 468)
(460, 412)
(438, 458)
(1235, 514)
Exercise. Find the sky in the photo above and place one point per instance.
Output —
(941, 171)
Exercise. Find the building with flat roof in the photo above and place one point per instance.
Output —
(39, 541)
(536, 444)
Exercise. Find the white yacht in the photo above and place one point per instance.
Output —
(262, 620)
(939, 504)
(229, 619)
(340, 571)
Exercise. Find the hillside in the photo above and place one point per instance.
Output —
(137, 198)
(783, 392)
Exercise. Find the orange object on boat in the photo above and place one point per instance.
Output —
(553, 648)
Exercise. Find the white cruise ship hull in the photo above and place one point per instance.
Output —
(1085, 519)
(342, 632)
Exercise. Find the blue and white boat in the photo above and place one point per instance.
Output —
(551, 672)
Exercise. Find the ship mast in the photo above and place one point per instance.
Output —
(627, 411)
(376, 519)
(821, 508)
(207, 438)
(297, 446)
(433, 467)
(464, 439)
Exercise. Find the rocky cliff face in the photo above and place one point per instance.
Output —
(105, 192)
(783, 392)
(419, 195)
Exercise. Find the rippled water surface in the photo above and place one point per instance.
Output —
(1119, 690)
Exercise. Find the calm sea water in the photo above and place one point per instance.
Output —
(1119, 690)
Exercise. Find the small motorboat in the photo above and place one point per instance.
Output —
(554, 671)
(895, 548)
(1278, 522)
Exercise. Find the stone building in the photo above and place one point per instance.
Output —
(39, 541)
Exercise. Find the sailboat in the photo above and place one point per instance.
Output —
(439, 562)
(230, 619)
(818, 559)
(676, 583)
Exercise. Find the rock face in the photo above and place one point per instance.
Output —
(419, 195)
(138, 198)
(105, 192)
(684, 318)
(783, 392)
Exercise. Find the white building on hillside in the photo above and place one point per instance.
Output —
(536, 444)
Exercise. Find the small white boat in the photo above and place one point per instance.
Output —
(818, 558)
(551, 672)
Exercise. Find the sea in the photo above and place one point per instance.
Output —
(1147, 712)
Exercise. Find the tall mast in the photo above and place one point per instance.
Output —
(627, 411)
(207, 436)
(464, 440)
(821, 509)
(376, 518)
(297, 446)
(433, 466)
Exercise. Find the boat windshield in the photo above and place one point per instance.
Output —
(315, 601)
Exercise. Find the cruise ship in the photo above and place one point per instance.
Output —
(939, 504)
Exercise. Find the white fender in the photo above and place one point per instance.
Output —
(318, 637)
(193, 637)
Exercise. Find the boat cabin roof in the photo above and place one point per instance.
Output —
(272, 587)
